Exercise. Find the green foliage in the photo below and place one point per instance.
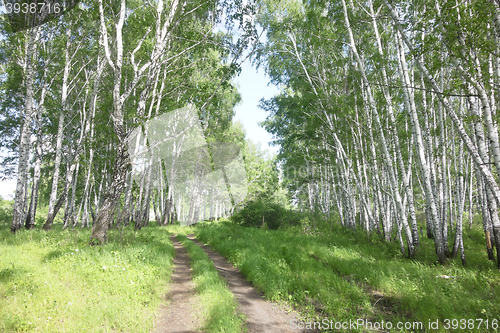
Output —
(260, 212)
(217, 301)
(54, 282)
(6, 207)
(343, 274)
(262, 172)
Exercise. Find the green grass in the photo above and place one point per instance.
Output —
(216, 300)
(346, 275)
(54, 282)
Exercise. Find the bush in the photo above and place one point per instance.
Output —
(6, 208)
(258, 213)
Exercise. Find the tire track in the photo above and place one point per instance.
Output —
(262, 316)
(180, 313)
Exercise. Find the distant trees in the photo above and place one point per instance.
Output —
(389, 109)
(74, 88)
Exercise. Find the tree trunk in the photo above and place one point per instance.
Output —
(24, 142)
(424, 168)
(69, 213)
(107, 210)
(397, 146)
(60, 129)
(383, 142)
(459, 243)
(444, 181)
(471, 201)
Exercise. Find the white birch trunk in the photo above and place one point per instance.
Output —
(459, 243)
(389, 163)
(397, 146)
(488, 204)
(24, 142)
(424, 168)
(30, 220)
(60, 134)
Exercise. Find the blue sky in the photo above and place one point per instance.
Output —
(253, 85)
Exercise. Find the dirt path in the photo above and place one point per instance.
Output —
(179, 315)
(262, 316)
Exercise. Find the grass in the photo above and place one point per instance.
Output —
(54, 282)
(216, 300)
(345, 275)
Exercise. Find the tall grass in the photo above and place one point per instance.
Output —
(6, 207)
(346, 275)
(54, 282)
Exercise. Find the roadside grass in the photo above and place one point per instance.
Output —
(6, 207)
(54, 282)
(216, 300)
(345, 275)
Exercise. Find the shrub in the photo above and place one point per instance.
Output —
(5, 211)
(273, 215)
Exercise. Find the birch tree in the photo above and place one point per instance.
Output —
(24, 143)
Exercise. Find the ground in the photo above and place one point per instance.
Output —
(181, 313)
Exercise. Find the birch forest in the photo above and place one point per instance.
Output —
(76, 89)
(386, 119)
(387, 116)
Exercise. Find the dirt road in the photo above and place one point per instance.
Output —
(180, 314)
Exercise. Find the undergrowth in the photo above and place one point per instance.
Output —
(346, 275)
(54, 282)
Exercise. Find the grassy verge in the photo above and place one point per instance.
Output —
(345, 276)
(216, 300)
(54, 282)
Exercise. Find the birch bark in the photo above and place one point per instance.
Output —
(424, 168)
(30, 219)
(389, 163)
(106, 213)
(488, 204)
(60, 133)
(395, 137)
(459, 242)
(24, 142)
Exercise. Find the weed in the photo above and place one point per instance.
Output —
(54, 282)
(346, 275)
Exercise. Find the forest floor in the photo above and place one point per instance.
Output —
(261, 315)
(348, 281)
(182, 313)
(55, 282)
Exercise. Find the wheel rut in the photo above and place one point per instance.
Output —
(261, 315)
(180, 314)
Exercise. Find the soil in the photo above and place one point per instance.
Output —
(262, 315)
(181, 313)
